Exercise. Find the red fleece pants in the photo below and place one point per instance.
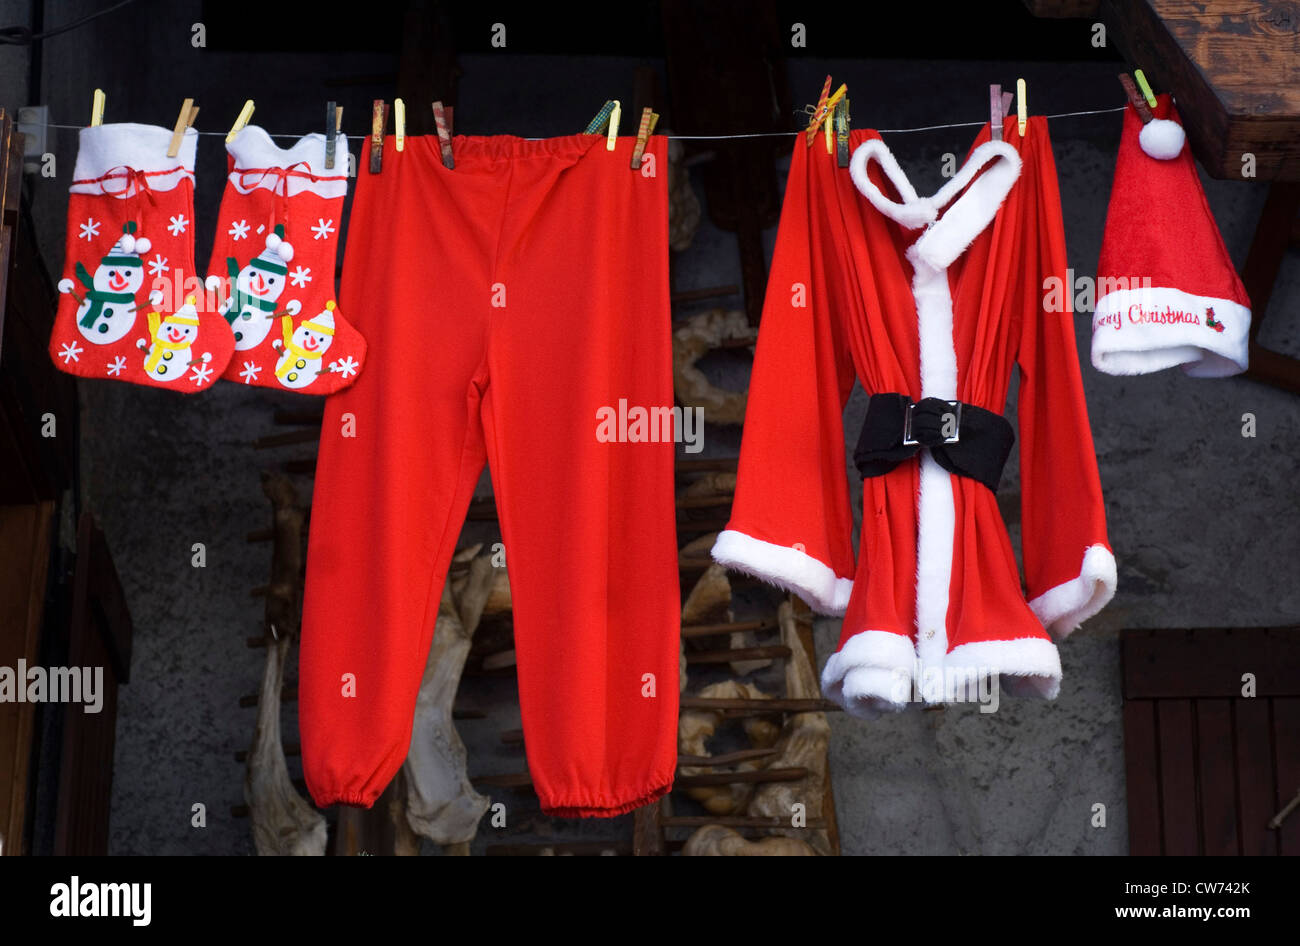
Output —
(504, 304)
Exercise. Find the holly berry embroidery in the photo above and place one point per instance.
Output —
(1211, 322)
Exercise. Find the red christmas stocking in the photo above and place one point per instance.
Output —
(128, 296)
(273, 265)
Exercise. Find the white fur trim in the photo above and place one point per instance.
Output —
(1162, 139)
(936, 526)
(102, 148)
(1026, 666)
(931, 255)
(253, 150)
(786, 568)
(975, 209)
(1065, 607)
(914, 211)
(871, 673)
(1121, 345)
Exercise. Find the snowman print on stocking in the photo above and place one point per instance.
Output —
(301, 349)
(107, 310)
(256, 290)
(168, 352)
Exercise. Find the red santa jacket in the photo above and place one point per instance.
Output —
(933, 603)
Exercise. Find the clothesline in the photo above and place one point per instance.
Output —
(764, 134)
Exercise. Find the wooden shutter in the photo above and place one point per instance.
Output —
(99, 636)
(1207, 766)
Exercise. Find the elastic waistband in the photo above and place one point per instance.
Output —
(490, 148)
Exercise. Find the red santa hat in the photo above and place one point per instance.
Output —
(1167, 292)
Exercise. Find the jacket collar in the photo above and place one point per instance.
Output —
(946, 237)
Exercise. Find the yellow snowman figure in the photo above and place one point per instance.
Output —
(301, 350)
(168, 354)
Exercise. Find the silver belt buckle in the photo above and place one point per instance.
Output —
(909, 440)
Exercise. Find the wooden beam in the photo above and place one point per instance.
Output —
(1234, 68)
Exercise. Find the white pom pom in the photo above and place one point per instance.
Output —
(127, 243)
(212, 283)
(285, 251)
(272, 241)
(142, 245)
(1162, 139)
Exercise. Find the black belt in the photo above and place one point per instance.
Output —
(963, 439)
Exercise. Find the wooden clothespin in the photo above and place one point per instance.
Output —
(183, 121)
(995, 112)
(399, 124)
(825, 105)
(611, 140)
(378, 120)
(842, 133)
(598, 124)
(245, 114)
(1022, 108)
(333, 121)
(442, 121)
(97, 103)
(819, 110)
(1146, 89)
(649, 118)
(1135, 97)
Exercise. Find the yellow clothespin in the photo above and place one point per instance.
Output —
(1022, 108)
(399, 122)
(828, 122)
(1146, 89)
(615, 114)
(245, 114)
(183, 121)
(97, 108)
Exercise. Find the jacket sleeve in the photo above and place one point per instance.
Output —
(791, 522)
(1069, 565)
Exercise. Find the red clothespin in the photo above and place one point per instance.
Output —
(378, 121)
(649, 118)
(825, 105)
(819, 111)
(442, 121)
